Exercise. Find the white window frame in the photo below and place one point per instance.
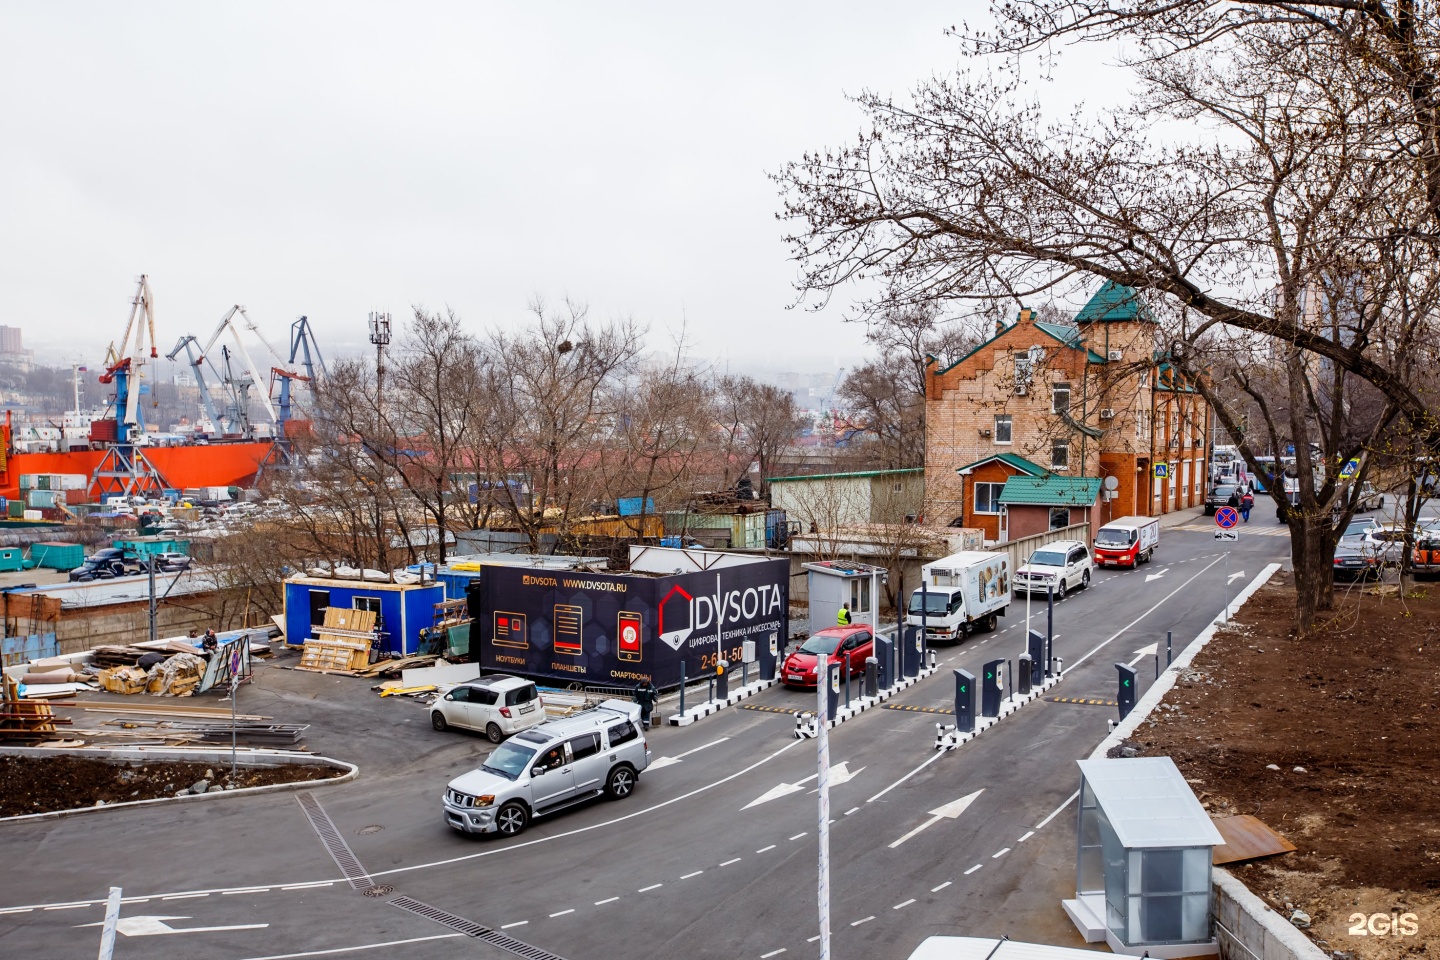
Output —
(1055, 390)
(1009, 422)
(1060, 445)
(994, 498)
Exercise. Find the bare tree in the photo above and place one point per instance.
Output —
(756, 422)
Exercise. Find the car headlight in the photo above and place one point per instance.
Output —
(485, 801)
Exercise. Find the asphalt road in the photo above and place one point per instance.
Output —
(713, 856)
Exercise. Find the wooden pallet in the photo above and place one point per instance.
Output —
(341, 644)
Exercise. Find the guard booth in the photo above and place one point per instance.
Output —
(1142, 860)
(834, 583)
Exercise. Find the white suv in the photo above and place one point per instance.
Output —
(497, 705)
(1065, 564)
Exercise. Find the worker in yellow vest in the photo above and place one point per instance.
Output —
(843, 617)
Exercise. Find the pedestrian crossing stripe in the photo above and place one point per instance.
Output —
(907, 707)
(1260, 531)
(1095, 703)
(765, 709)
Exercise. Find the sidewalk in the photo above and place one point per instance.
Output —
(1179, 517)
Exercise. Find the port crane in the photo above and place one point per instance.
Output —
(125, 468)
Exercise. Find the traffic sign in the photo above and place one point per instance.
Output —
(1350, 469)
(1225, 535)
(1226, 517)
(1162, 471)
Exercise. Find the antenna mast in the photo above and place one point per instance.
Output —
(380, 336)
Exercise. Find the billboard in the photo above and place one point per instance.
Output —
(617, 629)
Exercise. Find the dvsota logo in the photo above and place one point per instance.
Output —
(683, 614)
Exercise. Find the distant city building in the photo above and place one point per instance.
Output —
(183, 380)
(12, 350)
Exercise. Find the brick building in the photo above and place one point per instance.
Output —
(1068, 406)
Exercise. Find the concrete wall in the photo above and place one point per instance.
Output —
(122, 623)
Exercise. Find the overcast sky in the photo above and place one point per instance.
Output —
(332, 159)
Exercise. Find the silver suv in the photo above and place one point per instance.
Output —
(550, 767)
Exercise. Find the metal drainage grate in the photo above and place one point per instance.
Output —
(366, 831)
(378, 890)
(335, 843)
(472, 929)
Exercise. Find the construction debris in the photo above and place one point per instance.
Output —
(342, 643)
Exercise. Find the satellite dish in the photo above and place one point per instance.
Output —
(1111, 483)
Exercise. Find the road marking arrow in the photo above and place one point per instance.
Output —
(662, 762)
(839, 773)
(1156, 576)
(1235, 576)
(950, 811)
(156, 926)
(1149, 650)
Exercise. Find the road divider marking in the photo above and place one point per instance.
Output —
(1028, 835)
(1000, 853)
(363, 946)
(689, 875)
(17, 910)
(728, 862)
(813, 939)
(562, 913)
(231, 893)
(973, 869)
(69, 906)
(851, 810)
(866, 920)
(905, 904)
(517, 923)
(293, 886)
(653, 886)
(763, 849)
(1056, 812)
(797, 836)
(601, 903)
(941, 887)
(1104, 643)
(185, 896)
(772, 953)
(904, 778)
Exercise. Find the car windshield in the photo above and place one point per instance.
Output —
(820, 643)
(1223, 492)
(1114, 537)
(1356, 528)
(508, 760)
(930, 602)
(1047, 558)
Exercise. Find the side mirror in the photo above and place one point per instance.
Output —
(449, 696)
(536, 771)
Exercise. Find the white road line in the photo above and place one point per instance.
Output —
(681, 756)
(905, 904)
(689, 875)
(185, 896)
(293, 886)
(1028, 835)
(866, 920)
(601, 903)
(652, 886)
(562, 913)
(517, 923)
(1069, 800)
(363, 946)
(1000, 853)
(941, 887)
(1100, 646)
(772, 953)
(135, 900)
(231, 893)
(17, 910)
(907, 776)
(813, 939)
(851, 810)
(69, 906)
(763, 849)
(797, 836)
(728, 862)
(973, 869)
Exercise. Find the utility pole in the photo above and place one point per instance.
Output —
(150, 569)
(380, 336)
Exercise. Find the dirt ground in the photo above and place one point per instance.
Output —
(43, 784)
(1348, 716)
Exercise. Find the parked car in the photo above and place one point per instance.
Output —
(1425, 560)
(1354, 560)
(1063, 565)
(1370, 498)
(170, 562)
(1219, 496)
(551, 767)
(854, 643)
(498, 706)
(103, 564)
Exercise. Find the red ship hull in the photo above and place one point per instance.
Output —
(204, 465)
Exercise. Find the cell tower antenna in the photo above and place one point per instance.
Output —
(380, 336)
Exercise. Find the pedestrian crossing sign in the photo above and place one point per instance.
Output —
(1350, 469)
(1162, 471)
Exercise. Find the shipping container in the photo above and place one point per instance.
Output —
(56, 556)
(11, 559)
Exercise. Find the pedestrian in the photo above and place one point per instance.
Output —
(843, 617)
(646, 695)
(1247, 503)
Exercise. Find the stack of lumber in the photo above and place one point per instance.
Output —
(114, 656)
(23, 721)
(393, 668)
(341, 644)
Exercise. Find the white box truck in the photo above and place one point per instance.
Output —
(962, 594)
(1127, 542)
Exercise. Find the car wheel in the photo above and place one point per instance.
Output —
(620, 783)
(992, 621)
(1085, 580)
(493, 731)
(1060, 589)
(512, 819)
(437, 720)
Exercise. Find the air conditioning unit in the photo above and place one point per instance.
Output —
(985, 431)
(1107, 413)
(1117, 354)
(1021, 389)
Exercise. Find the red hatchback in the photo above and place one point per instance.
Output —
(854, 643)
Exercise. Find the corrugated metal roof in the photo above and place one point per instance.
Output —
(1051, 490)
(1010, 459)
(1114, 303)
(848, 476)
(1148, 803)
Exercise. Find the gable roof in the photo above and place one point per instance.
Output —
(1051, 490)
(1114, 303)
(1067, 335)
(1009, 459)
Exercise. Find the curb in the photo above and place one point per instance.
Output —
(306, 759)
(715, 706)
(806, 728)
(948, 738)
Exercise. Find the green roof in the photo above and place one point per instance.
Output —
(848, 476)
(1010, 459)
(1051, 490)
(1063, 332)
(1114, 303)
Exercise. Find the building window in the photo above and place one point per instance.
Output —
(1060, 398)
(366, 603)
(987, 497)
(1142, 425)
(1059, 517)
(1004, 427)
(1144, 379)
(1060, 455)
(860, 595)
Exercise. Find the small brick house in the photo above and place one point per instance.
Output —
(1058, 404)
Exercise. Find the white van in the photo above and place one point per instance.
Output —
(1127, 542)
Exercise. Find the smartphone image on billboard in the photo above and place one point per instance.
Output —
(569, 624)
(628, 634)
(511, 630)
